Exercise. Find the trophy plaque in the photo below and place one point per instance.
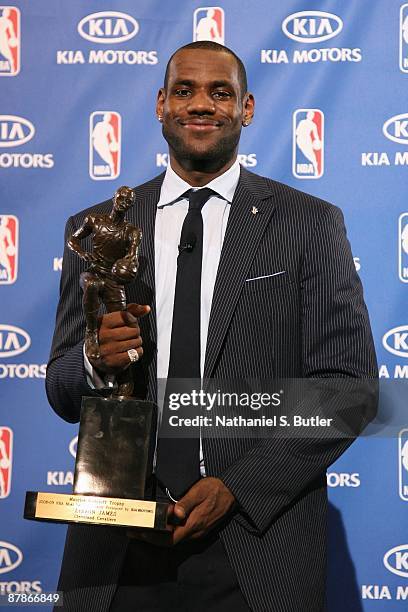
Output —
(116, 433)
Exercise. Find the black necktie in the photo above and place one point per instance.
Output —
(178, 462)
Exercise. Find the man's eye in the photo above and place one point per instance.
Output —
(221, 94)
(182, 92)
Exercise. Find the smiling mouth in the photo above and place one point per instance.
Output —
(200, 125)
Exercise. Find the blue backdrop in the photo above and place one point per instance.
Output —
(78, 82)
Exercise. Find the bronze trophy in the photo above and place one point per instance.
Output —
(115, 432)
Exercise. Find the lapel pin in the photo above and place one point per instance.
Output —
(254, 210)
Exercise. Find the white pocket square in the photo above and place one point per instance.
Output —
(248, 280)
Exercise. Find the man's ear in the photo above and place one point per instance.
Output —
(161, 96)
(248, 109)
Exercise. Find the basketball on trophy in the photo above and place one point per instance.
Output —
(125, 269)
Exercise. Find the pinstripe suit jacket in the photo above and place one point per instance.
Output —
(309, 322)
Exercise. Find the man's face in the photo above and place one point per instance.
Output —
(203, 107)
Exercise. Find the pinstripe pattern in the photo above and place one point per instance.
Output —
(310, 321)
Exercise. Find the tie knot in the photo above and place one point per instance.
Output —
(199, 197)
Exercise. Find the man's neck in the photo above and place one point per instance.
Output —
(198, 178)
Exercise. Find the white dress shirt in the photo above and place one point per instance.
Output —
(172, 209)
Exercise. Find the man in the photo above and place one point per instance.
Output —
(280, 298)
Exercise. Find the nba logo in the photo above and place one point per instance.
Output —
(8, 249)
(6, 457)
(403, 38)
(209, 24)
(104, 145)
(9, 41)
(308, 143)
(403, 247)
(403, 463)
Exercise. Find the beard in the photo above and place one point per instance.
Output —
(211, 159)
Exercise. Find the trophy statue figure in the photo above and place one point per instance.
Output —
(116, 433)
(113, 263)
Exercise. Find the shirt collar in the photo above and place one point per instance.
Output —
(173, 187)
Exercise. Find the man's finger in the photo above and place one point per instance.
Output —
(179, 534)
(118, 334)
(180, 513)
(120, 347)
(188, 502)
(129, 319)
(186, 532)
(119, 361)
(120, 318)
(138, 310)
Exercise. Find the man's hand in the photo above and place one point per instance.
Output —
(202, 508)
(118, 333)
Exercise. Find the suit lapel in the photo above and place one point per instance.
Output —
(251, 210)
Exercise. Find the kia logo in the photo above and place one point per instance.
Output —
(108, 27)
(10, 557)
(13, 341)
(396, 128)
(395, 341)
(15, 131)
(73, 446)
(312, 26)
(396, 560)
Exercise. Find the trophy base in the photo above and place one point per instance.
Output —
(94, 510)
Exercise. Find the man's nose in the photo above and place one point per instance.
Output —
(201, 103)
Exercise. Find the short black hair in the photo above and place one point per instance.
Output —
(212, 46)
